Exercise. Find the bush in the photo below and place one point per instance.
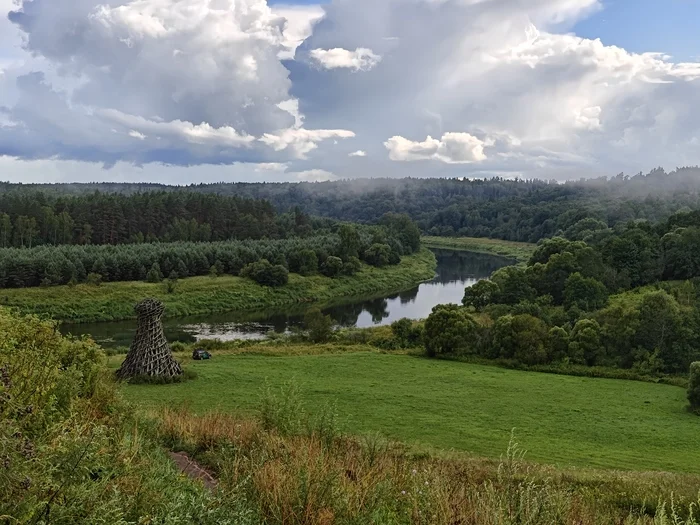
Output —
(352, 266)
(378, 254)
(332, 266)
(171, 284)
(521, 337)
(481, 294)
(178, 346)
(94, 279)
(154, 275)
(304, 262)
(265, 273)
(694, 387)
(449, 330)
(406, 334)
(402, 329)
(319, 326)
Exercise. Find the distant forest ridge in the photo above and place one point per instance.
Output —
(518, 210)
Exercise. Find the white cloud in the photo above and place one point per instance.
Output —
(301, 141)
(315, 175)
(588, 118)
(271, 166)
(358, 153)
(291, 106)
(197, 134)
(361, 59)
(452, 148)
(299, 23)
(202, 82)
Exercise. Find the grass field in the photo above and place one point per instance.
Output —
(567, 421)
(515, 250)
(202, 295)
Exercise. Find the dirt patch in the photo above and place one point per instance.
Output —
(194, 470)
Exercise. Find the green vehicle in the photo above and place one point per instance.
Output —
(199, 354)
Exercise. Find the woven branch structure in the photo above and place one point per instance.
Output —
(149, 353)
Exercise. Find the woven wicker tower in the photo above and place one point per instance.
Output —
(149, 353)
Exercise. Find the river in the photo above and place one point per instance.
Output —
(456, 270)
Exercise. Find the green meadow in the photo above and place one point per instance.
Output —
(562, 420)
(115, 301)
(521, 251)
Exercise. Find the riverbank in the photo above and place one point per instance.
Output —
(521, 251)
(204, 295)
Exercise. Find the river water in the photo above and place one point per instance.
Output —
(456, 270)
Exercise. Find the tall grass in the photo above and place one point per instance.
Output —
(300, 477)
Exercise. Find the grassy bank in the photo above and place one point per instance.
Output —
(74, 453)
(567, 421)
(202, 295)
(521, 251)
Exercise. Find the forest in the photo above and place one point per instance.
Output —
(33, 218)
(338, 250)
(626, 297)
(516, 210)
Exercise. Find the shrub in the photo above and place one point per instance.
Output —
(694, 387)
(449, 330)
(332, 266)
(94, 279)
(521, 337)
(352, 266)
(585, 292)
(265, 273)
(319, 326)
(481, 294)
(406, 334)
(171, 284)
(304, 262)
(378, 254)
(154, 275)
(178, 346)
(402, 329)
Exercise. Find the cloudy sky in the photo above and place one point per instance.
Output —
(189, 91)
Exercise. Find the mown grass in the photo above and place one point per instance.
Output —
(566, 421)
(521, 251)
(202, 295)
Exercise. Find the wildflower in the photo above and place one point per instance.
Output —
(403, 492)
(414, 472)
(426, 483)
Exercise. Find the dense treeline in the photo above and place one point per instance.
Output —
(627, 297)
(331, 254)
(35, 218)
(519, 210)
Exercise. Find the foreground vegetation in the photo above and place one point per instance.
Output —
(201, 295)
(520, 251)
(447, 405)
(74, 453)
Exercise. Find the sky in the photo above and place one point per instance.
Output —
(191, 91)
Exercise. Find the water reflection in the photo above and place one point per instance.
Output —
(455, 271)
